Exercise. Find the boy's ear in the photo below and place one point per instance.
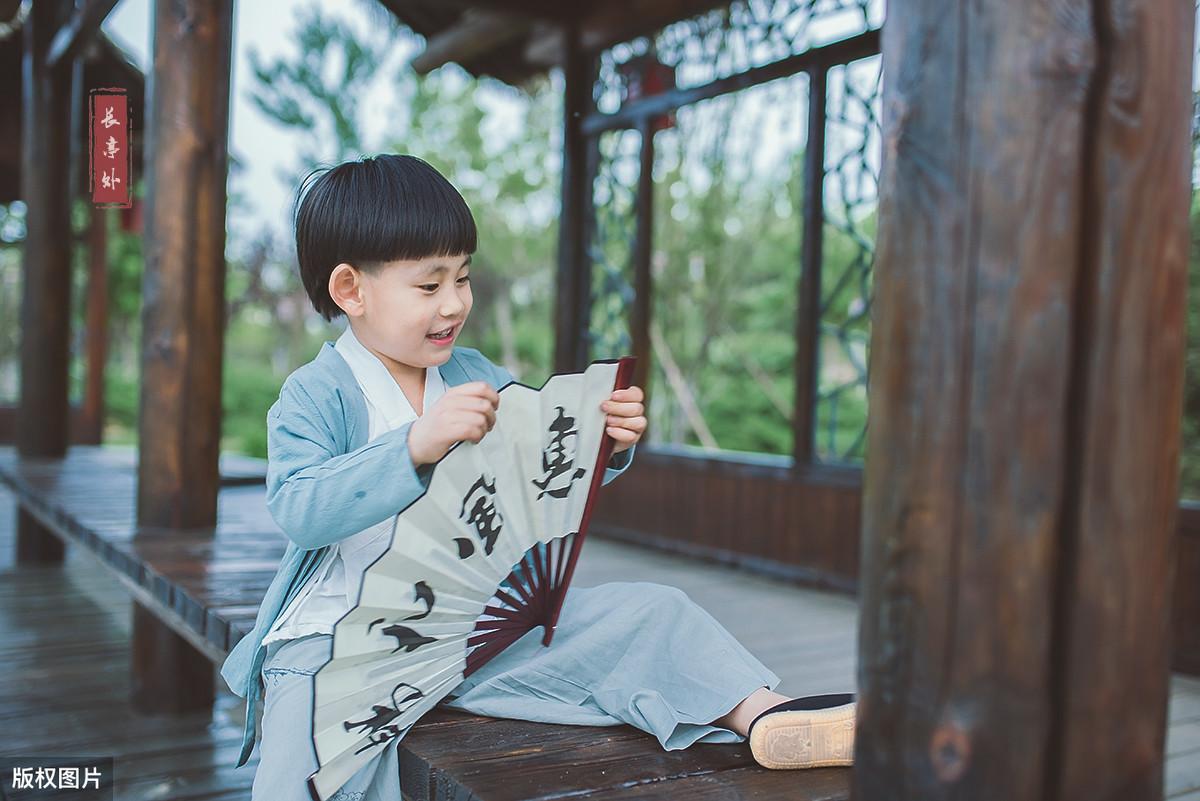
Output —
(345, 289)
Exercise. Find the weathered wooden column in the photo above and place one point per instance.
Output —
(42, 424)
(92, 412)
(183, 321)
(1025, 396)
(572, 308)
(643, 254)
(808, 285)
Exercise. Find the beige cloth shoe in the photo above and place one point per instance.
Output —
(811, 732)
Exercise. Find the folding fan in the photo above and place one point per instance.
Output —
(482, 557)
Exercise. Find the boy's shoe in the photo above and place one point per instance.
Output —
(811, 732)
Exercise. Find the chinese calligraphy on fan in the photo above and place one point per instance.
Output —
(559, 457)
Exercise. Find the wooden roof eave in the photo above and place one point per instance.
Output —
(485, 36)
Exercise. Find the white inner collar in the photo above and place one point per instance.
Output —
(380, 387)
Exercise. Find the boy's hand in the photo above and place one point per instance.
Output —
(626, 417)
(464, 413)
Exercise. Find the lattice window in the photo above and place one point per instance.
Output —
(852, 151)
(713, 350)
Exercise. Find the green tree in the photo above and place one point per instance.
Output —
(444, 118)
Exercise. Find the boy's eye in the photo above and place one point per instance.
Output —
(464, 279)
(429, 287)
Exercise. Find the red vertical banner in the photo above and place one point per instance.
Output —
(111, 160)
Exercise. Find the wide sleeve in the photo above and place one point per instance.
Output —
(318, 496)
(618, 464)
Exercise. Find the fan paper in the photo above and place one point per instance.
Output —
(482, 557)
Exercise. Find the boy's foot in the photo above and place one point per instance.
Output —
(811, 732)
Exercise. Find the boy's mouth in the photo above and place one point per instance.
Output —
(443, 336)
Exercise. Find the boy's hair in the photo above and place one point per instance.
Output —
(372, 211)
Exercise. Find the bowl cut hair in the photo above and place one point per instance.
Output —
(372, 211)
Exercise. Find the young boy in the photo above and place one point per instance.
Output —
(352, 439)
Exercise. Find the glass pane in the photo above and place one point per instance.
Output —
(726, 260)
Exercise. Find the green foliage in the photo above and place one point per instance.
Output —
(727, 269)
(121, 406)
(725, 304)
(311, 92)
(1189, 468)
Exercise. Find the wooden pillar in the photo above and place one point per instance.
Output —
(574, 286)
(97, 327)
(183, 321)
(1026, 384)
(42, 424)
(643, 250)
(808, 287)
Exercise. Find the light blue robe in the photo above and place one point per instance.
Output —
(637, 653)
(326, 482)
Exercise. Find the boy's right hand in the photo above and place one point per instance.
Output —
(464, 413)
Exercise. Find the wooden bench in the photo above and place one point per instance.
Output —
(206, 586)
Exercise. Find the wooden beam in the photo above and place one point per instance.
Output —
(96, 339)
(183, 293)
(74, 35)
(45, 330)
(183, 319)
(1026, 394)
(574, 280)
(478, 32)
(643, 252)
(551, 10)
(808, 287)
(1116, 569)
(613, 22)
(42, 429)
(818, 58)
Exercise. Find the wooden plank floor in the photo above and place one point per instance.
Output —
(65, 671)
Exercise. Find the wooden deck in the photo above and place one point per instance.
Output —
(66, 676)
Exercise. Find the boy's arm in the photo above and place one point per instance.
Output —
(318, 496)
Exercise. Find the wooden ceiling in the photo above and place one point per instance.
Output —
(515, 40)
(511, 40)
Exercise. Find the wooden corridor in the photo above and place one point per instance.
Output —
(68, 696)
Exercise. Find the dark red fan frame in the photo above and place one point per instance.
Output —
(539, 584)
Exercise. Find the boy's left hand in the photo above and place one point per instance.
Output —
(626, 417)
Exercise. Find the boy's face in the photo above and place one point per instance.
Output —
(398, 308)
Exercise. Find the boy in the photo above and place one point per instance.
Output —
(351, 442)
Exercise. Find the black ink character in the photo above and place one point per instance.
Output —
(423, 592)
(465, 547)
(406, 638)
(379, 727)
(483, 516)
(559, 457)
